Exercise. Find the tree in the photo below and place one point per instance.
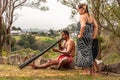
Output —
(7, 17)
(3, 5)
(51, 32)
(14, 28)
(109, 18)
(72, 4)
(19, 29)
(106, 13)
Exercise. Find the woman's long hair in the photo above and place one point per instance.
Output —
(84, 6)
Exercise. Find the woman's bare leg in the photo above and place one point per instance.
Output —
(85, 71)
(96, 66)
(92, 70)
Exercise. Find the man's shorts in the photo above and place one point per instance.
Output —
(70, 58)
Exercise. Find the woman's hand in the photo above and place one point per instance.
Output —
(79, 36)
(93, 37)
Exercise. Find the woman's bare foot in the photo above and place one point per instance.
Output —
(85, 73)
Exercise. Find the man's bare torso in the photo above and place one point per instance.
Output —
(70, 43)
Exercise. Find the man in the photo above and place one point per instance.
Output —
(66, 52)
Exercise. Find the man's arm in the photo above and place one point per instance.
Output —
(60, 46)
(69, 49)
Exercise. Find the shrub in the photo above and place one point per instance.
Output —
(27, 41)
(13, 42)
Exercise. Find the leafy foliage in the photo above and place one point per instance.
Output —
(15, 28)
(27, 41)
(13, 41)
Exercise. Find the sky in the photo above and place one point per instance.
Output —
(57, 17)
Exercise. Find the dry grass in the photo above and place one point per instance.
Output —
(8, 72)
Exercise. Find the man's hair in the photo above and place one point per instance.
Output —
(65, 32)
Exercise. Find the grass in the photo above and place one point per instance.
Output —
(4, 53)
(43, 38)
(111, 58)
(8, 72)
(36, 37)
(16, 37)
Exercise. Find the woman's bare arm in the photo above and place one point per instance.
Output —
(83, 25)
(95, 32)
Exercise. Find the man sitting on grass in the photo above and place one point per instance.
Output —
(66, 52)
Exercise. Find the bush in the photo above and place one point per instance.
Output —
(34, 46)
(13, 42)
(100, 39)
(27, 41)
(118, 31)
(43, 44)
(16, 47)
(26, 44)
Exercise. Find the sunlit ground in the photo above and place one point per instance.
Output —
(8, 72)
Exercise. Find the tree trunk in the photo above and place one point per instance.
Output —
(8, 42)
(118, 2)
(0, 29)
(95, 10)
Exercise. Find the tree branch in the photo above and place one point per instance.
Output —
(118, 2)
(19, 3)
(4, 7)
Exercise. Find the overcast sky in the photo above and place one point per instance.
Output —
(57, 17)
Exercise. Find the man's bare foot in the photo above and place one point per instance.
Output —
(36, 67)
(33, 66)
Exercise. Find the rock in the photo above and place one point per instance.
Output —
(1, 60)
(115, 68)
(11, 59)
(101, 66)
(72, 65)
(5, 60)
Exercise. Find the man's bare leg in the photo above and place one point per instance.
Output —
(45, 65)
(62, 62)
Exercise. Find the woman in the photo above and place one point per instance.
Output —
(87, 31)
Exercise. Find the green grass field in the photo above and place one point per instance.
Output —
(36, 37)
(16, 37)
